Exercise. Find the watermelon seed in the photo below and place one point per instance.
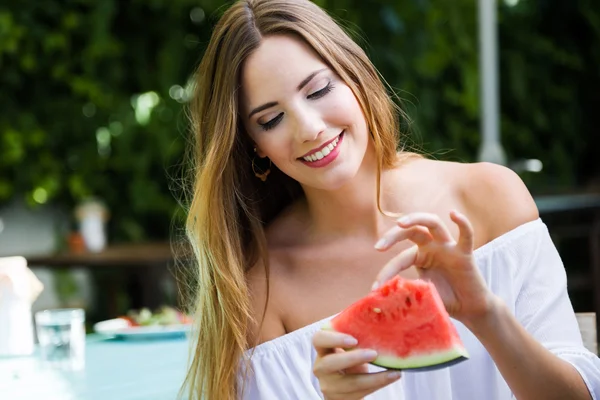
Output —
(377, 310)
(419, 296)
(408, 302)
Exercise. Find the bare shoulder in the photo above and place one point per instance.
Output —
(494, 195)
(267, 323)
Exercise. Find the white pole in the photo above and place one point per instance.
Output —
(491, 149)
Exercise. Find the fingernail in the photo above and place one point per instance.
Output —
(381, 244)
(369, 354)
(404, 220)
(394, 375)
(375, 286)
(350, 341)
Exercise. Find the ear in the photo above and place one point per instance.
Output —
(259, 152)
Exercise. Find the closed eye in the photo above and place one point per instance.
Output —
(320, 93)
(272, 122)
(313, 96)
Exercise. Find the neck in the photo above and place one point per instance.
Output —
(351, 209)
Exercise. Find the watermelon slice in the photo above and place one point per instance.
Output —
(407, 324)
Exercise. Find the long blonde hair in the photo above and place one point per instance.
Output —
(230, 207)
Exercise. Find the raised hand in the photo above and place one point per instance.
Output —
(447, 263)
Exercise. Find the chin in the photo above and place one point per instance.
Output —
(333, 177)
(332, 181)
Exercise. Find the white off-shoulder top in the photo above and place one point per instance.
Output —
(522, 267)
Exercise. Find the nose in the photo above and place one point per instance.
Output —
(309, 125)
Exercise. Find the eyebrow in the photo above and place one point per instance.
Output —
(299, 88)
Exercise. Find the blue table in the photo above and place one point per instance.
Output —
(115, 370)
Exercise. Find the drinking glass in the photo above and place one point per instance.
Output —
(61, 336)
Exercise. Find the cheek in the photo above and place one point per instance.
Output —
(273, 145)
(345, 107)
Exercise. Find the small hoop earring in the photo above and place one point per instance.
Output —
(260, 175)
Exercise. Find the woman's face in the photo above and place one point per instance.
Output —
(301, 115)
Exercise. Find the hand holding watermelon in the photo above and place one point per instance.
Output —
(447, 263)
(343, 374)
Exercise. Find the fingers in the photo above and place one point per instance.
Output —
(417, 234)
(396, 265)
(336, 380)
(436, 226)
(333, 363)
(330, 365)
(466, 237)
(356, 386)
(368, 383)
(325, 342)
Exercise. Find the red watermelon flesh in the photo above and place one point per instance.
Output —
(406, 322)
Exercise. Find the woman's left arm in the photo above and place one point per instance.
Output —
(560, 368)
(531, 370)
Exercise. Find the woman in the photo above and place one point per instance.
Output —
(297, 176)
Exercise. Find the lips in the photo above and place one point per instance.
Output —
(325, 154)
(322, 151)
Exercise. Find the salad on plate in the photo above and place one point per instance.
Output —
(165, 316)
(143, 323)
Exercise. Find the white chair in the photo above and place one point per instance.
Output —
(587, 326)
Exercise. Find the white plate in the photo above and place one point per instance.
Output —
(120, 328)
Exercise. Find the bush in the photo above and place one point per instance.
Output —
(92, 92)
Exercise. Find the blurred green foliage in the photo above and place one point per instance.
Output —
(549, 78)
(71, 73)
(88, 87)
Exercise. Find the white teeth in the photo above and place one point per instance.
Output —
(324, 152)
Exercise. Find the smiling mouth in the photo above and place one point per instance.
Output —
(324, 151)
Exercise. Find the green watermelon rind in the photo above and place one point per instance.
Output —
(426, 361)
(435, 360)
